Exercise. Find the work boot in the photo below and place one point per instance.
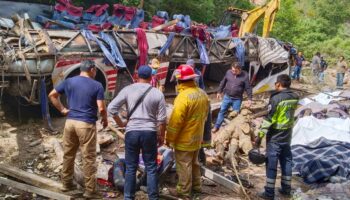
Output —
(263, 195)
(214, 130)
(284, 193)
(173, 192)
(92, 195)
(68, 187)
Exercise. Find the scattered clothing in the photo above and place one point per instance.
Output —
(240, 50)
(142, 46)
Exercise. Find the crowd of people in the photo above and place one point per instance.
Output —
(187, 131)
(318, 67)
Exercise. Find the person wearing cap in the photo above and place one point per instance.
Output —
(185, 131)
(231, 88)
(199, 79)
(144, 118)
(85, 98)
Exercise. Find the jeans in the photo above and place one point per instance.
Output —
(321, 77)
(278, 152)
(340, 80)
(296, 72)
(147, 142)
(226, 103)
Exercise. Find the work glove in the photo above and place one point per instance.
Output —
(257, 142)
(258, 139)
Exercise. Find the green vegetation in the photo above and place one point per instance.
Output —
(311, 25)
(315, 25)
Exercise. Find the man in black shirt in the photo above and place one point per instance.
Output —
(232, 87)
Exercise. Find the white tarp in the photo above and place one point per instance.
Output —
(322, 98)
(309, 129)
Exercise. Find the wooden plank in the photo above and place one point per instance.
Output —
(30, 178)
(221, 180)
(32, 189)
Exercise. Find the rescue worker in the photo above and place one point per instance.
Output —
(206, 143)
(185, 131)
(277, 127)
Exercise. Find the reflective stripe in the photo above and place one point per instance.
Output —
(287, 178)
(285, 182)
(270, 180)
(283, 118)
(270, 185)
(283, 126)
(172, 129)
(265, 124)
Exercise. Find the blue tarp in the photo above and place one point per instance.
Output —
(115, 51)
(167, 44)
(240, 50)
(203, 53)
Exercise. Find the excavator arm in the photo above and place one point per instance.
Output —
(270, 15)
(249, 19)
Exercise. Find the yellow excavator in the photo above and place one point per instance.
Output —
(249, 19)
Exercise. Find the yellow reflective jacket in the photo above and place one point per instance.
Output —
(186, 123)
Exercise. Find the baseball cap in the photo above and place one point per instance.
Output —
(144, 72)
(190, 62)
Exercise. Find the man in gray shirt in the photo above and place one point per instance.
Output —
(316, 65)
(141, 130)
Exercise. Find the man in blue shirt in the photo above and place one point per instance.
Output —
(85, 97)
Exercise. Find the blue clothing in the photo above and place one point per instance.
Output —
(199, 79)
(278, 152)
(296, 72)
(226, 103)
(299, 60)
(340, 80)
(82, 95)
(146, 142)
(321, 77)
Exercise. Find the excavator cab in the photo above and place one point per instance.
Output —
(248, 19)
(231, 15)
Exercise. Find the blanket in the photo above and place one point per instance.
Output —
(320, 160)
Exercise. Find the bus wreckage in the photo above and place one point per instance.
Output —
(34, 60)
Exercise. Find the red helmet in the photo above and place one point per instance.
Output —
(185, 72)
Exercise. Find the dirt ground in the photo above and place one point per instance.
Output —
(26, 144)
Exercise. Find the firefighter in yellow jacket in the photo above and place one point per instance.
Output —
(185, 130)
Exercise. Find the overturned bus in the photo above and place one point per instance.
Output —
(32, 57)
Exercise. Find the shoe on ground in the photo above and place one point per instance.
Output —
(263, 195)
(214, 130)
(173, 192)
(92, 195)
(69, 187)
(284, 193)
